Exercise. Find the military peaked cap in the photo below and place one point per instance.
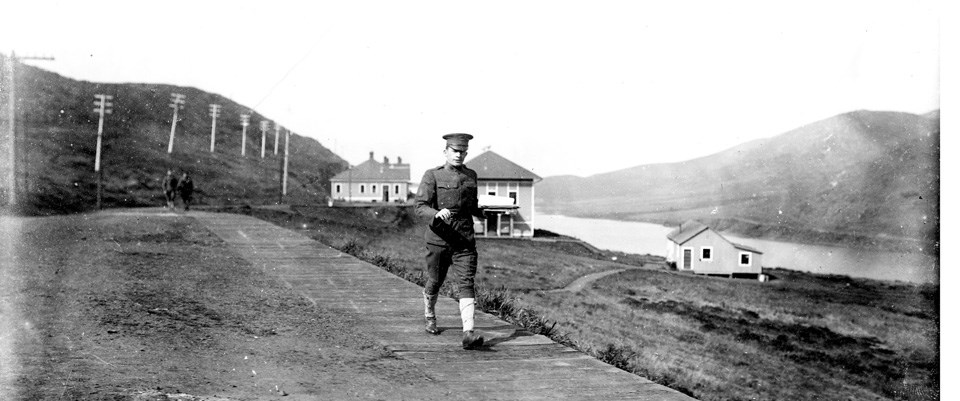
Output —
(458, 141)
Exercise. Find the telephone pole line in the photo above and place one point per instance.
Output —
(214, 113)
(286, 161)
(11, 77)
(264, 126)
(178, 101)
(245, 121)
(276, 139)
(103, 107)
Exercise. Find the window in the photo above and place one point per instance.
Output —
(373, 188)
(338, 188)
(745, 258)
(396, 189)
(362, 188)
(492, 188)
(706, 253)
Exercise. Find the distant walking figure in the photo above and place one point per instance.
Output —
(170, 189)
(185, 187)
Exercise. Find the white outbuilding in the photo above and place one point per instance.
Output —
(696, 248)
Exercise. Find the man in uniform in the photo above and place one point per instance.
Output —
(447, 197)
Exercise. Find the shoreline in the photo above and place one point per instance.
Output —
(918, 268)
(760, 231)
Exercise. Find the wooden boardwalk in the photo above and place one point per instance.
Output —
(516, 365)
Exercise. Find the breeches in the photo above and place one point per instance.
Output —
(439, 260)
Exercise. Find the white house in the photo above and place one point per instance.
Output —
(372, 181)
(696, 248)
(505, 190)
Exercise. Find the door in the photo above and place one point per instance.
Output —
(490, 224)
(506, 225)
(386, 193)
(686, 263)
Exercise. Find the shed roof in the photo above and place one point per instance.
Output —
(372, 170)
(692, 228)
(491, 166)
(686, 231)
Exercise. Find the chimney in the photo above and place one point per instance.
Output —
(386, 161)
(399, 160)
(371, 155)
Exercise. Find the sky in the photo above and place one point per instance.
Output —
(559, 87)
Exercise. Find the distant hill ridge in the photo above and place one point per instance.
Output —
(57, 126)
(862, 178)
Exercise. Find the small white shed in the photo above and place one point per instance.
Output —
(696, 248)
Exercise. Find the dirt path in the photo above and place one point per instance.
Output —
(582, 282)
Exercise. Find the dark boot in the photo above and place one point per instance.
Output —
(431, 326)
(472, 340)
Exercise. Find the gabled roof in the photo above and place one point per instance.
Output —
(746, 248)
(491, 166)
(686, 231)
(692, 228)
(372, 170)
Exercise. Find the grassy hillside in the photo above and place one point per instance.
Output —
(863, 178)
(57, 126)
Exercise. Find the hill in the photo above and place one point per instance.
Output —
(863, 178)
(57, 129)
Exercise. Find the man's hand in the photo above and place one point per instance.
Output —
(444, 214)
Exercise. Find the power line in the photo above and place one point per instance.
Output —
(264, 127)
(214, 113)
(104, 106)
(245, 121)
(178, 101)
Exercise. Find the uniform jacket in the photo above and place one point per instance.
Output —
(454, 188)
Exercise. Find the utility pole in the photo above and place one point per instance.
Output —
(245, 121)
(264, 126)
(178, 101)
(214, 113)
(276, 139)
(12, 196)
(103, 107)
(286, 161)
